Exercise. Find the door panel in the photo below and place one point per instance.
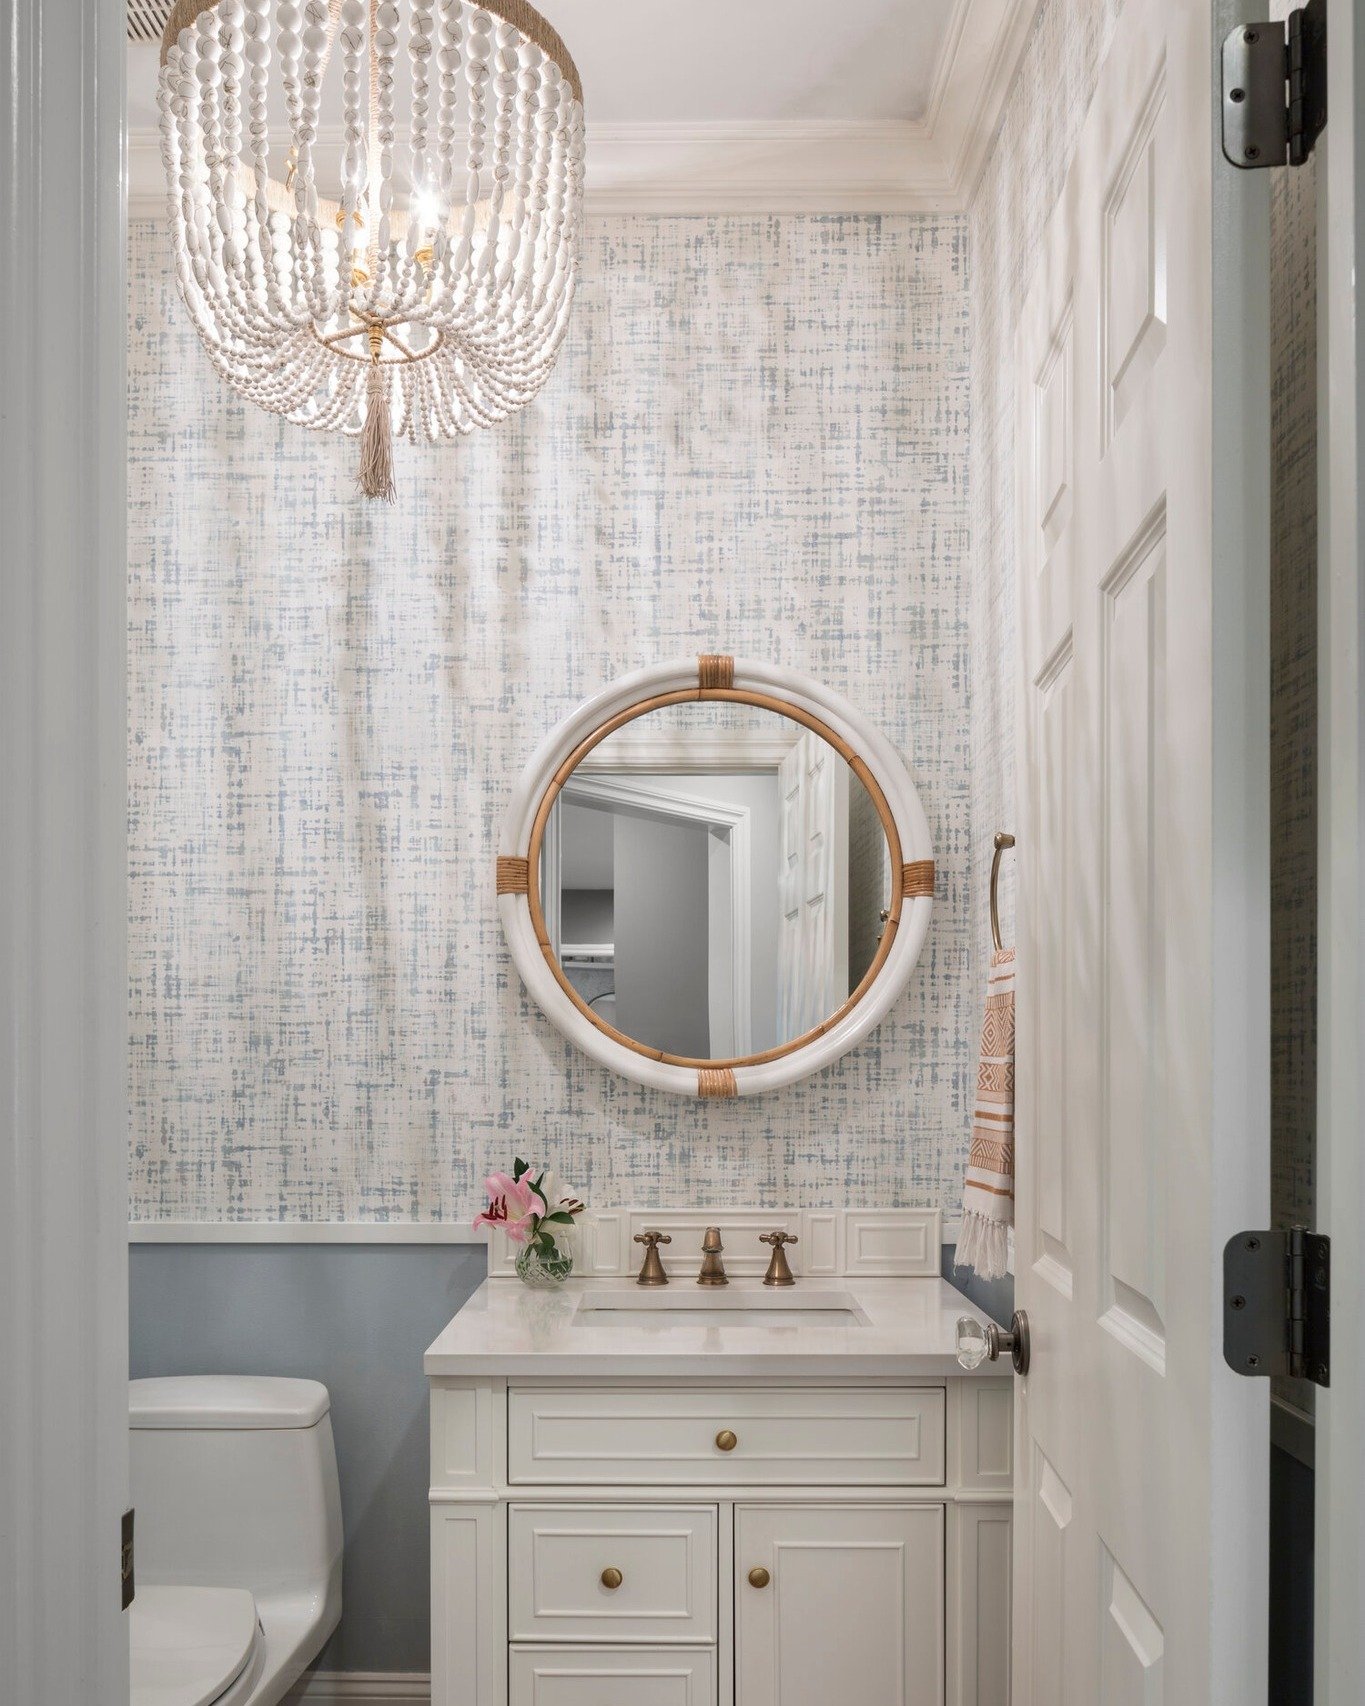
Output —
(1049, 1625)
(853, 1609)
(1132, 1231)
(1055, 693)
(812, 886)
(1132, 1569)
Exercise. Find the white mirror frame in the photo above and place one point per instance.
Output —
(872, 757)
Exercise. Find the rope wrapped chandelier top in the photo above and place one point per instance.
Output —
(375, 208)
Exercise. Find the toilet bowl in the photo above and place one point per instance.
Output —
(238, 1537)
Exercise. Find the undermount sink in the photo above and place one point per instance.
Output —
(686, 1305)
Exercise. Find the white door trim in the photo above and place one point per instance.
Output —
(63, 977)
(648, 799)
(1339, 1568)
(1239, 922)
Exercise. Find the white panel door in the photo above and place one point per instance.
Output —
(1141, 1460)
(852, 1608)
(812, 953)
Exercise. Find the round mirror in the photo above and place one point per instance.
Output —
(716, 885)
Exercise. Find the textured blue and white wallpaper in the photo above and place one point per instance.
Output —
(756, 441)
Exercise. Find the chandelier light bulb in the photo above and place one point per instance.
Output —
(375, 210)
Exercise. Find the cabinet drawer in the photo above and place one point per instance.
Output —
(607, 1676)
(787, 1436)
(664, 1563)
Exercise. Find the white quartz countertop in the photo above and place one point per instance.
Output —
(612, 1328)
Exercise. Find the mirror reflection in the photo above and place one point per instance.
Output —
(715, 880)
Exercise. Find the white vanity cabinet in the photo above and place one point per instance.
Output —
(720, 1542)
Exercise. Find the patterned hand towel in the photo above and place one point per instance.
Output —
(988, 1190)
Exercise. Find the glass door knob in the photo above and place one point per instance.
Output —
(977, 1344)
(972, 1349)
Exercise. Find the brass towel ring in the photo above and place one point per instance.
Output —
(1002, 840)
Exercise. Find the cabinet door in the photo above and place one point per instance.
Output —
(853, 1601)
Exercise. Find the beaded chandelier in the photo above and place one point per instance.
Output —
(388, 250)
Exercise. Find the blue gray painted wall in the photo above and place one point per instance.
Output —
(994, 1297)
(358, 1318)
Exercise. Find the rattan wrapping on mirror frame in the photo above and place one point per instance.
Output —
(917, 877)
(514, 875)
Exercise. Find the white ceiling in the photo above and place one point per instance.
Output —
(716, 59)
(760, 106)
(768, 59)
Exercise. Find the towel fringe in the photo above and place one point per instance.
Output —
(983, 1244)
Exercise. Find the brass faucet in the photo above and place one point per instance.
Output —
(712, 1268)
(778, 1271)
(652, 1268)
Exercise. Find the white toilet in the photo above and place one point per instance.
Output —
(238, 1560)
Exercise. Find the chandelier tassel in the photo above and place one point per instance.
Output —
(376, 442)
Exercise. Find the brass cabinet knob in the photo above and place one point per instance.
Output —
(759, 1577)
(726, 1441)
(612, 1578)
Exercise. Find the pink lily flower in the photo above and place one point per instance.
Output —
(513, 1206)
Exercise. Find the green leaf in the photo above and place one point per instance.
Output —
(519, 1167)
(560, 1218)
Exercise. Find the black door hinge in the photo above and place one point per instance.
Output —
(1275, 89)
(126, 1559)
(1277, 1297)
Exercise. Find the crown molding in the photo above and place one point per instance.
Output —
(928, 165)
(981, 53)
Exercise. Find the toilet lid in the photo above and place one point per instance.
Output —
(189, 1644)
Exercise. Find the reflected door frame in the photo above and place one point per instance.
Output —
(619, 792)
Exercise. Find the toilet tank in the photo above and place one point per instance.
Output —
(234, 1481)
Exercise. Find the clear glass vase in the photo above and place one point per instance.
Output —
(545, 1262)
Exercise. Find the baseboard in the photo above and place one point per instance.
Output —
(361, 1688)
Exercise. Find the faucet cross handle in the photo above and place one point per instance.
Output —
(652, 1268)
(779, 1273)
